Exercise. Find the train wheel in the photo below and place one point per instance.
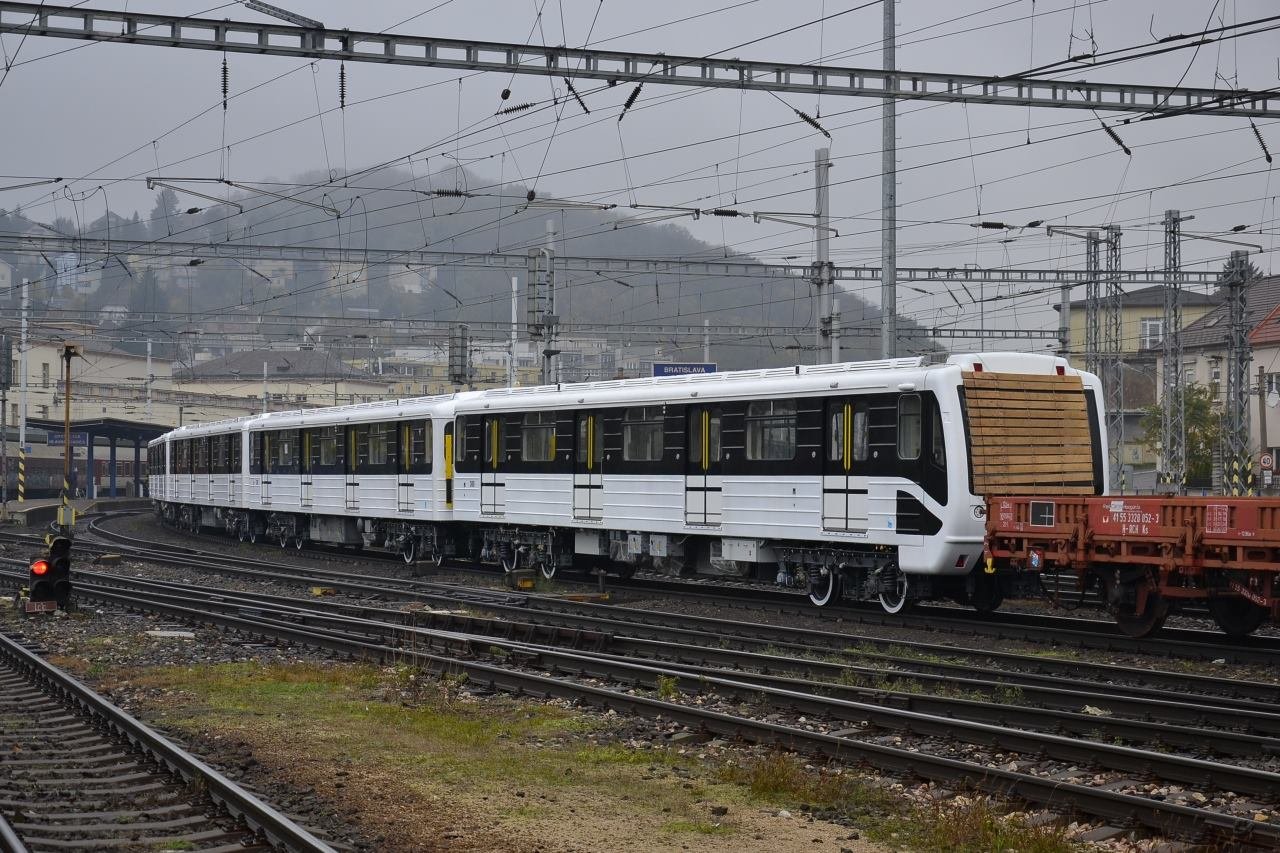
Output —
(1237, 617)
(510, 562)
(299, 542)
(987, 595)
(893, 589)
(436, 558)
(824, 587)
(285, 539)
(409, 551)
(253, 536)
(243, 533)
(547, 566)
(1122, 602)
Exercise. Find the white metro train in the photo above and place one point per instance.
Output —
(862, 480)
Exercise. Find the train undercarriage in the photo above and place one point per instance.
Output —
(827, 574)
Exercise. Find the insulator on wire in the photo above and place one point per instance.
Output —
(724, 211)
(515, 108)
(342, 85)
(1115, 137)
(1261, 141)
(453, 193)
(631, 99)
(226, 78)
(576, 96)
(810, 120)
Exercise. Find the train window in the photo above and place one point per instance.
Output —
(590, 438)
(234, 446)
(642, 434)
(909, 426)
(460, 440)
(382, 444)
(938, 446)
(860, 431)
(360, 445)
(835, 435)
(326, 447)
(492, 440)
(415, 437)
(218, 455)
(286, 450)
(538, 437)
(255, 452)
(771, 429)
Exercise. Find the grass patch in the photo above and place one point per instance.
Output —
(964, 826)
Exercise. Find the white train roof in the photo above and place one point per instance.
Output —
(897, 374)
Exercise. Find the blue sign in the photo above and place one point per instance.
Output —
(78, 439)
(682, 369)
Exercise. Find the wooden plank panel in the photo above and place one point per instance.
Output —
(987, 392)
(988, 378)
(1015, 455)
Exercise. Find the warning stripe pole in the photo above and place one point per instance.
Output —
(22, 474)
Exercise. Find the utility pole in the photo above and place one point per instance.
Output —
(6, 378)
(67, 512)
(511, 361)
(889, 194)
(1263, 445)
(264, 387)
(552, 369)
(22, 395)
(706, 341)
(1173, 424)
(835, 331)
(150, 378)
(1238, 463)
(1092, 298)
(1113, 367)
(823, 274)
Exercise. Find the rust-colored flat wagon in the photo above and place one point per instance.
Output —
(1149, 554)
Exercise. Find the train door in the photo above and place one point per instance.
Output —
(306, 495)
(703, 481)
(352, 488)
(844, 489)
(412, 435)
(493, 490)
(268, 461)
(588, 479)
(448, 465)
(234, 465)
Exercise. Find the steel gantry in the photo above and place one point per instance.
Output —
(1173, 423)
(276, 39)
(1113, 364)
(186, 251)
(1237, 462)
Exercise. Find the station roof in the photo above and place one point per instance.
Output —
(108, 428)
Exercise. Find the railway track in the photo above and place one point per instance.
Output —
(79, 773)
(545, 667)
(1061, 632)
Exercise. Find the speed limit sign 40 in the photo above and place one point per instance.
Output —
(1267, 462)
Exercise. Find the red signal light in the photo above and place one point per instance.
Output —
(40, 567)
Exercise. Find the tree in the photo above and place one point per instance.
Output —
(1202, 414)
(162, 213)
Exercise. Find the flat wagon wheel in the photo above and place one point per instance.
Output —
(1122, 600)
(409, 550)
(547, 566)
(1237, 617)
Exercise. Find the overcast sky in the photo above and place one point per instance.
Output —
(90, 111)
